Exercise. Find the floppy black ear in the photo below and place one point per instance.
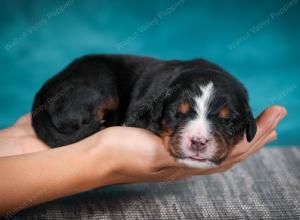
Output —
(146, 114)
(250, 127)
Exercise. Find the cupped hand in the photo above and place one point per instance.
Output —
(139, 156)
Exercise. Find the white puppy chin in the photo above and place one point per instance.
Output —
(196, 164)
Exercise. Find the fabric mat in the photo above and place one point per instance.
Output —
(267, 186)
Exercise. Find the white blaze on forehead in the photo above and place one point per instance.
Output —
(200, 125)
(202, 102)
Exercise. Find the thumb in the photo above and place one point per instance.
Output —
(268, 120)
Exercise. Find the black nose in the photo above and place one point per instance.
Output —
(198, 144)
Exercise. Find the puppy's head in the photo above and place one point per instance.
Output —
(204, 116)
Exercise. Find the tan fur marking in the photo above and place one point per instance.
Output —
(224, 112)
(184, 107)
(166, 134)
(109, 104)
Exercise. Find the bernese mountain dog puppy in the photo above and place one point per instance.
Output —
(199, 109)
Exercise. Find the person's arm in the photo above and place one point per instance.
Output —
(112, 156)
(34, 178)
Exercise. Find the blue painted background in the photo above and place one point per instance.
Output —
(258, 41)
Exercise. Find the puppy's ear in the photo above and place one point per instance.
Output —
(250, 127)
(156, 109)
(147, 114)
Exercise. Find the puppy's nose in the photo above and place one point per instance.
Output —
(198, 144)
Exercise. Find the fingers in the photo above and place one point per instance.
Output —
(271, 137)
(25, 119)
(254, 148)
(23, 126)
(266, 123)
(268, 120)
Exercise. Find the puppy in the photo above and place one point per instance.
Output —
(199, 110)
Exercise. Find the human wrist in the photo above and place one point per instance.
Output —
(100, 167)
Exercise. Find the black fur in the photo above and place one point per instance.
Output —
(147, 91)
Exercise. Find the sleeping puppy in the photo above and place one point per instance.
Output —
(198, 109)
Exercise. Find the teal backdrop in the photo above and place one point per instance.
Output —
(257, 41)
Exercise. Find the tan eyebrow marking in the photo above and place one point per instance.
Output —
(184, 107)
(224, 112)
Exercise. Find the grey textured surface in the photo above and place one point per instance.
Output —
(265, 187)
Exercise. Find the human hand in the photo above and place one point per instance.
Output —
(111, 156)
(137, 155)
(20, 139)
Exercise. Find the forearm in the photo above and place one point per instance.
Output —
(30, 179)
